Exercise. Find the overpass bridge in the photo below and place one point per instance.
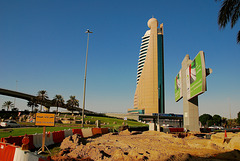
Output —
(47, 103)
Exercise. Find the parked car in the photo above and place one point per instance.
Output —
(216, 128)
(237, 128)
(9, 123)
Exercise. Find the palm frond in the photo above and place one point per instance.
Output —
(230, 11)
(235, 13)
(226, 12)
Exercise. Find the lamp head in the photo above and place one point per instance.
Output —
(88, 31)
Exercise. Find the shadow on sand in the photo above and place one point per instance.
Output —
(227, 156)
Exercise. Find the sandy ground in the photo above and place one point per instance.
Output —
(150, 145)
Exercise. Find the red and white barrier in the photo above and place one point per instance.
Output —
(10, 152)
(105, 130)
(37, 140)
(24, 155)
(96, 131)
(58, 136)
(7, 151)
(87, 132)
(49, 139)
(68, 132)
(77, 131)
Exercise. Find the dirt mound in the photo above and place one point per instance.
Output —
(231, 142)
(125, 132)
(65, 158)
(72, 141)
(150, 145)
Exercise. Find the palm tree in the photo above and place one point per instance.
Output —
(7, 104)
(230, 11)
(72, 102)
(32, 104)
(58, 101)
(42, 96)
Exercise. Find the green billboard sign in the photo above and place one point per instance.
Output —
(178, 86)
(196, 76)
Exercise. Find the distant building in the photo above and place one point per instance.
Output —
(149, 95)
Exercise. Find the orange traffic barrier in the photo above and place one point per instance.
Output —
(17, 140)
(7, 152)
(104, 130)
(13, 139)
(2, 149)
(96, 131)
(77, 131)
(172, 129)
(30, 144)
(55, 136)
(176, 129)
(58, 136)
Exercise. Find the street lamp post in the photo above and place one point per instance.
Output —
(15, 97)
(85, 78)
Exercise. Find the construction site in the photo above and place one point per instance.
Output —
(152, 146)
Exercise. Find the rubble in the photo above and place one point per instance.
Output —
(149, 145)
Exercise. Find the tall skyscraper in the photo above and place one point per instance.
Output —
(149, 95)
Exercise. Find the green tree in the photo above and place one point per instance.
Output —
(224, 122)
(42, 96)
(15, 109)
(72, 103)
(204, 119)
(229, 12)
(238, 118)
(232, 122)
(8, 105)
(58, 101)
(210, 122)
(217, 120)
(32, 104)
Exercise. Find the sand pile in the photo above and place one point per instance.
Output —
(150, 145)
(232, 140)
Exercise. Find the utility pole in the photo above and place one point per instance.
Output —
(85, 78)
(15, 97)
(229, 108)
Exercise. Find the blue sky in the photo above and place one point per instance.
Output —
(43, 47)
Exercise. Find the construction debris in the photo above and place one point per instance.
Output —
(152, 146)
